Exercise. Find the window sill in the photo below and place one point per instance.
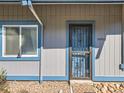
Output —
(20, 59)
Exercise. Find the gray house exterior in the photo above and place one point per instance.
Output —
(62, 39)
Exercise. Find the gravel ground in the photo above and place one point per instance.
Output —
(109, 87)
(64, 87)
(35, 87)
(48, 87)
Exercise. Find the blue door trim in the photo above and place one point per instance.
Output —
(21, 22)
(67, 51)
(67, 36)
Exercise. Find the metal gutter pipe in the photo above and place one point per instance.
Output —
(31, 8)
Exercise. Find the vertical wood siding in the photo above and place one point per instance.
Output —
(107, 30)
(15, 68)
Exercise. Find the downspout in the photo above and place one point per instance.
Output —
(122, 37)
(31, 8)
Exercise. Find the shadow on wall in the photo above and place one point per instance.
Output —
(108, 43)
(101, 41)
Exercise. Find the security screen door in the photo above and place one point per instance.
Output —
(80, 36)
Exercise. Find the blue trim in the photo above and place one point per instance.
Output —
(21, 22)
(28, 59)
(67, 1)
(36, 78)
(67, 52)
(22, 78)
(76, 1)
(80, 22)
(108, 78)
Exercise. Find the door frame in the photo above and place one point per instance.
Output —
(92, 58)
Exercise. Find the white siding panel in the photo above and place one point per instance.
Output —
(111, 46)
(16, 68)
(117, 54)
(101, 45)
(54, 65)
(106, 45)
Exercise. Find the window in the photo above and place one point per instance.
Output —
(20, 41)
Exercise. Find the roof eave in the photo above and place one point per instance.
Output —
(65, 2)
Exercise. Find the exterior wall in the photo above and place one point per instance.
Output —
(108, 20)
(107, 33)
(21, 68)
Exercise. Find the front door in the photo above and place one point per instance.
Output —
(80, 36)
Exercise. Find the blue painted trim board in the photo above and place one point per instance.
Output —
(108, 78)
(67, 1)
(22, 78)
(67, 51)
(36, 78)
(21, 22)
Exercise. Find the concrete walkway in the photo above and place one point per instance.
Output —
(82, 86)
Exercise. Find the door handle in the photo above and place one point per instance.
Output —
(88, 52)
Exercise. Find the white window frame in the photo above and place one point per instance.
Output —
(4, 41)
